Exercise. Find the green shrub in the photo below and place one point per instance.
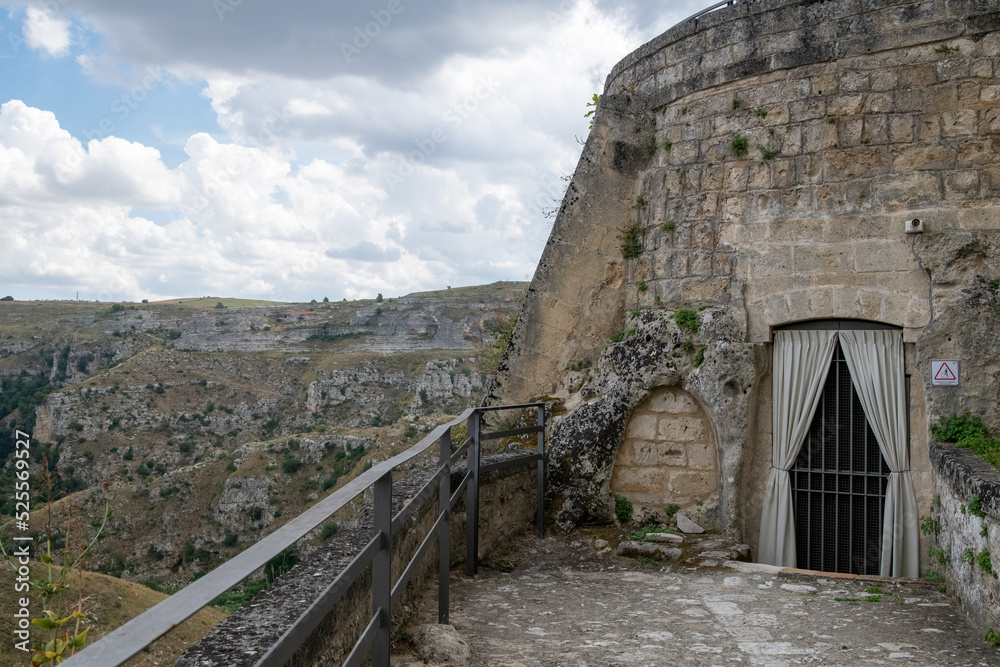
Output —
(687, 319)
(699, 358)
(984, 562)
(230, 540)
(623, 509)
(330, 529)
(291, 464)
(255, 513)
(740, 145)
(958, 427)
(968, 431)
(672, 510)
(631, 242)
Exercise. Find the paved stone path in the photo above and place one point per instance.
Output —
(564, 604)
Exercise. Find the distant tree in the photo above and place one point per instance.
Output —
(116, 307)
(145, 300)
(379, 297)
(219, 306)
(7, 298)
(313, 301)
(326, 299)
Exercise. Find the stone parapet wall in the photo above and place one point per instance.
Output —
(963, 531)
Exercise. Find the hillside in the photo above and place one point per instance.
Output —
(207, 427)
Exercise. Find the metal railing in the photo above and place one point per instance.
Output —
(121, 644)
(718, 5)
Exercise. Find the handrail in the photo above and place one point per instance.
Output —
(126, 641)
(724, 3)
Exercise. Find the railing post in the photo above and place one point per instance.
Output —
(382, 569)
(472, 499)
(444, 537)
(541, 471)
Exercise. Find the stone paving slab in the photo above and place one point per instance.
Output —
(564, 604)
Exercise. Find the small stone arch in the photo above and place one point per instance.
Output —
(669, 455)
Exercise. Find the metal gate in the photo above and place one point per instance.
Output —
(838, 483)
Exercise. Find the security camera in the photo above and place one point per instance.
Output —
(914, 226)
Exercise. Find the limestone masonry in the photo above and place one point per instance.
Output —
(748, 169)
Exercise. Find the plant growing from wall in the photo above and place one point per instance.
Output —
(985, 563)
(623, 509)
(642, 286)
(687, 319)
(768, 154)
(667, 145)
(699, 358)
(595, 100)
(740, 145)
(668, 226)
(968, 431)
(631, 242)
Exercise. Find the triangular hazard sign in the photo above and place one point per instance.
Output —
(945, 373)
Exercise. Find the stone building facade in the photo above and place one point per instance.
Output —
(753, 168)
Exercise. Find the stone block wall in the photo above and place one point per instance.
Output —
(767, 155)
(966, 516)
(668, 456)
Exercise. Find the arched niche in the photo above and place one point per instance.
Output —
(669, 455)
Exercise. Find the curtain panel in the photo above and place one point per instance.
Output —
(801, 364)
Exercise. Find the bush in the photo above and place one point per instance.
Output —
(958, 427)
(330, 529)
(230, 540)
(255, 513)
(291, 464)
(687, 319)
(968, 432)
(623, 509)
(740, 145)
(631, 240)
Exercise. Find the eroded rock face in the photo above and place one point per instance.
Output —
(628, 372)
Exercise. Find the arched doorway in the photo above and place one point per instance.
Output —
(839, 496)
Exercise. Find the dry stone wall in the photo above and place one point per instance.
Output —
(668, 456)
(757, 165)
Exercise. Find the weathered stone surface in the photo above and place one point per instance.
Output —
(686, 525)
(441, 645)
(567, 605)
(636, 549)
(669, 538)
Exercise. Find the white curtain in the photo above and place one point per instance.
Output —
(875, 359)
(801, 362)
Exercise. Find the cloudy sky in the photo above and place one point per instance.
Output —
(293, 150)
